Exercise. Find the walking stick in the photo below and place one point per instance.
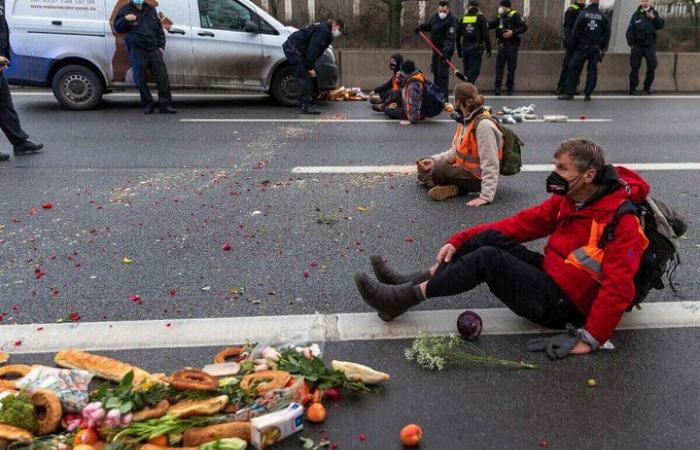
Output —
(458, 74)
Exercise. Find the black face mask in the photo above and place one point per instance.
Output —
(393, 67)
(558, 185)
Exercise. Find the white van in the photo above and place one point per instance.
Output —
(71, 46)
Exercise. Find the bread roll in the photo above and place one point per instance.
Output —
(10, 433)
(103, 367)
(198, 436)
(189, 408)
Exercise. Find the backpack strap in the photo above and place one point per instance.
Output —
(627, 207)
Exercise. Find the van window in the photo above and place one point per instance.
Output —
(223, 15)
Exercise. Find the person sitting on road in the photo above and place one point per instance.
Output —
(389, 92)
(413, 95)
(302, 48)
(575, 283)
(472, 163)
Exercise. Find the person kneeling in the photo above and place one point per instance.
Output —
(574, 284)
(472, 163)
(389, 92)
(412, 105)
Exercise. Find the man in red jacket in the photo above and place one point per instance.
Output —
(574, 282)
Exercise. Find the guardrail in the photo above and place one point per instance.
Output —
(537, 71)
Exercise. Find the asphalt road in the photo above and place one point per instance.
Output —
(169, 194)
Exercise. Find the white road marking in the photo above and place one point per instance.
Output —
(136, 95)
(104, 336)
(367, 121)
(409, 169)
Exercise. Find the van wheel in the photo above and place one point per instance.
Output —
(77, 88)
(284, 88)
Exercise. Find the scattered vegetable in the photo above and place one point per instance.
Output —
(358, 372)
(18, 411)
(316, 413)
(85, 436)
(411, 435)
(469, 325)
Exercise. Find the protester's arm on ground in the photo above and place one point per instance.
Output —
(528, 225)
(488, 140)
(121, 25)
(384, 88)
(160, 33)
(317, 46)
(622, 259)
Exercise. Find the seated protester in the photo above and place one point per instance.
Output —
(472, 163)
(574, 283)
(413, 95)
(389, 92)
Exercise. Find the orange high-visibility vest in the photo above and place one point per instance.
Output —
(589, 258)
(395, 87)
(467, 147)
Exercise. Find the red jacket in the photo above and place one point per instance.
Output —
(604, 296)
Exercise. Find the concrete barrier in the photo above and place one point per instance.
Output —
(688, 72)
(537, 71)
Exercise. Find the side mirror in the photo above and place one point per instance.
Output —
(252, 27)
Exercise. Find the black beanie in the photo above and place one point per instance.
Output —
(505, 3)
(398, 58)
(408, 66)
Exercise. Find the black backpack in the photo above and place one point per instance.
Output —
(434, 100)
(662, 226)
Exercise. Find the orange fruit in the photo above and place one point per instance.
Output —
(83, 447)
(411, 435)
(160, 441)
(85, 436)
(316, 413)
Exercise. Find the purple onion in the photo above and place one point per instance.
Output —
(469, 325)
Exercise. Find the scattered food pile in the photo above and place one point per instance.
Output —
(517, 115)
(345, 94)
(248, 396)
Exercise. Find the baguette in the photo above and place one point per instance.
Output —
(154, 412)
(10, 433)
(103, 367)
(158, 447)
(198, 436)
(189, 408)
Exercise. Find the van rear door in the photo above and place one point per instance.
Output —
(46, 31)
(225, 54)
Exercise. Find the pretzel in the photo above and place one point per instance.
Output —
(228, 353)
(193, 380)
(266, 380)
(49, 411)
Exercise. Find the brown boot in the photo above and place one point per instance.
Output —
(388, 276)
(389, 301)
(441, 193)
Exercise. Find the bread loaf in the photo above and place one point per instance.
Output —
(101, 366)
(189, 408)
(198, 436)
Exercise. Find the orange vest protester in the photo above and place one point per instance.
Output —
(395, 87)
(467, 148)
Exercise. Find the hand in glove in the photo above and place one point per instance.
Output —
(488, 53)
(561, 345)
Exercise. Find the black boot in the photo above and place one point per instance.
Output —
(4, 157)
(388, 276)
(389, 301)
(27, 147)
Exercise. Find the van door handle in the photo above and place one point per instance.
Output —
(58, 23)
(206, 33)
(176, 31)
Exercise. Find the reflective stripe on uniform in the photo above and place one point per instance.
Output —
(469, 19)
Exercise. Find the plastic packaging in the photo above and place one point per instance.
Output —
(70, 385)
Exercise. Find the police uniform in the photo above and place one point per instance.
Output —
(472, 40)
(641, 36)
(570, 17)
(590, 38)
(145, 42)
(508, 47)
(302, 49)
(9, 120)
(443, 33)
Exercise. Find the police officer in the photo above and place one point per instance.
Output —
(145, 42)
(472, 40)
(302, 49)
(570, 17)
(590, 38)
(641, 36)
(443, 32)
(9, 121)
(509, 25)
